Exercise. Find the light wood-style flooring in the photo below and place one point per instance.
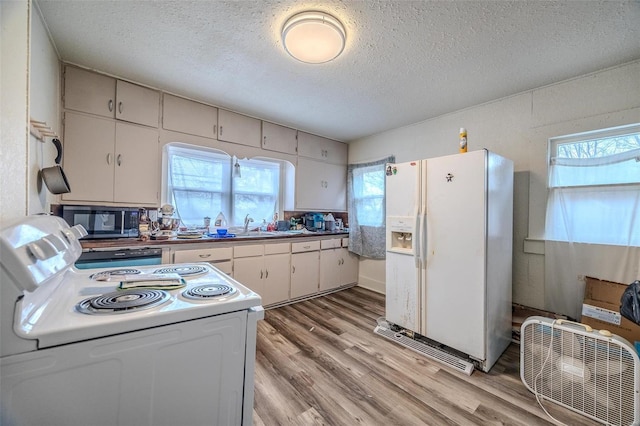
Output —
(319, 363)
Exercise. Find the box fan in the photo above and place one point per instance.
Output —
(594, 373)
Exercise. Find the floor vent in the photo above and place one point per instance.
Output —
(435, 354)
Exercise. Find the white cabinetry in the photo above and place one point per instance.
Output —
(105, 96)
(323, 149)
(338, 267)
(219, 257)
(320, 186)
(264, 269)
(110, 161)
(305, 268)
(238, 128)
(185, 116)
(279, 138)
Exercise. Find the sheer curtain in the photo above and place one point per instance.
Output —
(366, 204)
(592, 226)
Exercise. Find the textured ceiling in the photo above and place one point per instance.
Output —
(405, 61)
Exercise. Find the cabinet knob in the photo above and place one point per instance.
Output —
(110, 105)
(215, 129)
(120, 107)
(204, 256)
(264, 140)
(293, 269)
(220, 130)
(261, 274)
(109, 158)
(119, 159)
(266, 273)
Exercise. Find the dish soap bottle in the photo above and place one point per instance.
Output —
(221, 221)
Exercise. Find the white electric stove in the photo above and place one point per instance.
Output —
(77, 349)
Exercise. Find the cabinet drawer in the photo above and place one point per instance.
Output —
(329, 244)
(305, 246)
(345, 242)
(248, 251)
(277, 248)
(203, 255)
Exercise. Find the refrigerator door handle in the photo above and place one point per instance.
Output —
(424, 238)
(417, 240)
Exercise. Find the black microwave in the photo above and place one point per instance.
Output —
(104, 222)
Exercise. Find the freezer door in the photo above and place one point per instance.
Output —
(456, 251)
(403, 295)
(403, 189)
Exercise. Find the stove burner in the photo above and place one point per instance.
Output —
(208, 291)
(119, 302)
(183, 271)
(104, 275)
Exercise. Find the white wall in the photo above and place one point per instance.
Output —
(14, 115)
(517, 127)
(44, 96)
(29, 83)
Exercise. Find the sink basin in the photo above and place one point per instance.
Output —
(256, 234)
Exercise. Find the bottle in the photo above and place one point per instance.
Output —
(221, 221)
(463, 140)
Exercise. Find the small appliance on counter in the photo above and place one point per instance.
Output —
(103, 222)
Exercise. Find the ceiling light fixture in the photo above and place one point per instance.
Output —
(313, 37)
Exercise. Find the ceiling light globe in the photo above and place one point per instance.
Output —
(313, 37)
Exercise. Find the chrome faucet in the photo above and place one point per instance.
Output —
(247, 220)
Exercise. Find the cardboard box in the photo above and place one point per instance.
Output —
(601, 310)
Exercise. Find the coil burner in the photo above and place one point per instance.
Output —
(105, 275)
(119, 302)
(183, 271)
(208, 291)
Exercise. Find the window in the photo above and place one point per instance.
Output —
(201, 183)
(594, 187)
(366, 199)
(368, 195)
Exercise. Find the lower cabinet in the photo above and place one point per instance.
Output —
(305, 268)
(264, 269)
(338, 266)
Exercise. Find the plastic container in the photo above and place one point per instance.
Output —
(463, 140)
(221, 221)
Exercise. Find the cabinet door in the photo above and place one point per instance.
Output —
(137, 165)
(329, 269)
(348, 267)
(89, 92)
(185, 116)
(277, 278)
(238, 128)
(320, 148)
(279, 138)
(88, 157)
(137, 104)
(249, 272)
(305, 273)
(320, 186)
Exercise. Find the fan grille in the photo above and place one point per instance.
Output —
(591, 374)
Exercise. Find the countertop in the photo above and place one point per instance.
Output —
(134, 242)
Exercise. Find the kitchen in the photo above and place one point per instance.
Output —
(515, 124)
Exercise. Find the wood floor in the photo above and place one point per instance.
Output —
(319, 363)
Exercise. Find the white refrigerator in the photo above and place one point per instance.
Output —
(449, 251)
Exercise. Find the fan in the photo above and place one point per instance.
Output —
(594, 373)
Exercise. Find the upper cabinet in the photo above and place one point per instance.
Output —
(279, 138)
(238, 128)
(105, 96)
(185, 116)
(110, 161)
(320, 148)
